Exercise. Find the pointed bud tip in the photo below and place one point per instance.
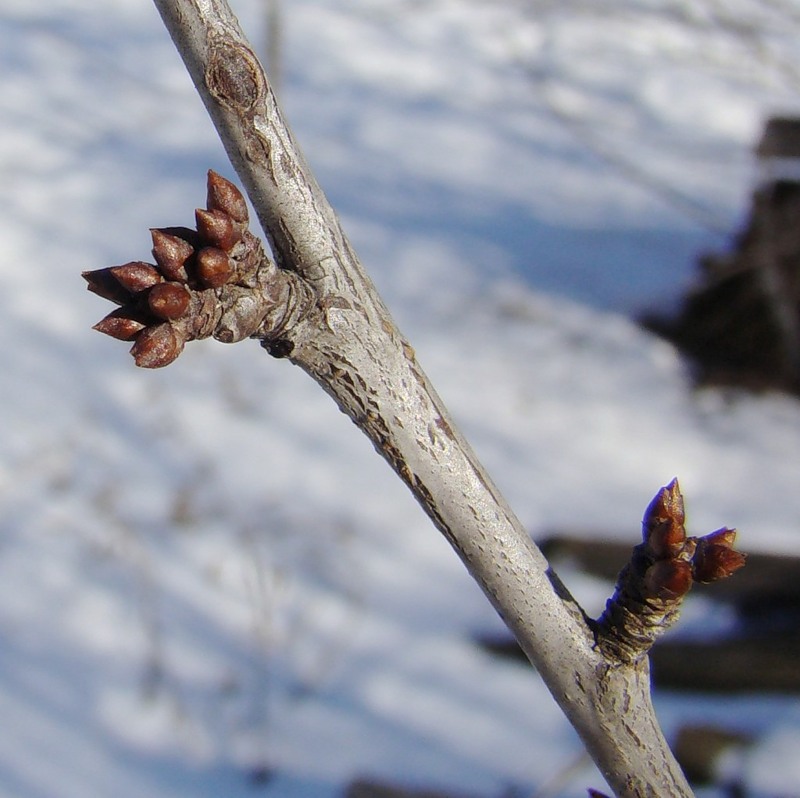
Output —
(662, 525)
(120, 325)
(715, 561)
(172, 251)
(102, 283)
(224, 196)
(722, 537)
(136, 276)
(668, 502)
(217, 229)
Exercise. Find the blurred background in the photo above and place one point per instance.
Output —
(209, 584)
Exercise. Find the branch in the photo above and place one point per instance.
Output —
(315, 305)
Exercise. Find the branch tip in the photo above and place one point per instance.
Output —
(661, 571)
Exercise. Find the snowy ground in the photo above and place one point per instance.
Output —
(209, 584)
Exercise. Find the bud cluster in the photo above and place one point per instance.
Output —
(661, 571)
(163, 305)
(675, 560)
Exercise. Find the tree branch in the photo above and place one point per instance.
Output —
(316, 305)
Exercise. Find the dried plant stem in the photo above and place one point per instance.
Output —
(348, 343)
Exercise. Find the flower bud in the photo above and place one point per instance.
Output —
(217, 229)
(224, 196)
(662, 526)
(168, 301)
(171, 253)
(214, 267)
(136, 276)
(102, 283)
(157, 346)
(724, 537)
(714, 558)
(120, 324)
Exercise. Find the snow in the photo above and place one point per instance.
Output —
(209, 583)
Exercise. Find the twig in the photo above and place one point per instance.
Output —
(316, 306)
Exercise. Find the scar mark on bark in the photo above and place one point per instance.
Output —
(234, 76)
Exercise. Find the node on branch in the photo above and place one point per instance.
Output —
(661, 571)
(214, 281)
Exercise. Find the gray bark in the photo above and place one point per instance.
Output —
(349, 344)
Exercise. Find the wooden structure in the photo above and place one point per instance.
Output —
(778, 150)
(740, 324)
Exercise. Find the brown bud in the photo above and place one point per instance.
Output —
(102, 283)
(668, 579)
(171, 253)
(668, 503)
(157, 346)
(714, 558)
(723, 537)
(224, 196)
(120, 324)
(666, 539)
(214, 267)
(168, 301)
(662, 526)
(216, 229)
(136, 276)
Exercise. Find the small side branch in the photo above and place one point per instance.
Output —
(651, 588)
(215, 281)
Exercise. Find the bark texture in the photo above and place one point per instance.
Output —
(346, 340)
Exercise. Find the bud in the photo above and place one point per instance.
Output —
(217, 229)
(714, 558)
(157, 346)
(224, 196)
(102, 283)
(723, 537)
(668, 579)
(214, 267)
(171, 253)
(168, 301)
(662, 526)
(120, 324)
(136, 276)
